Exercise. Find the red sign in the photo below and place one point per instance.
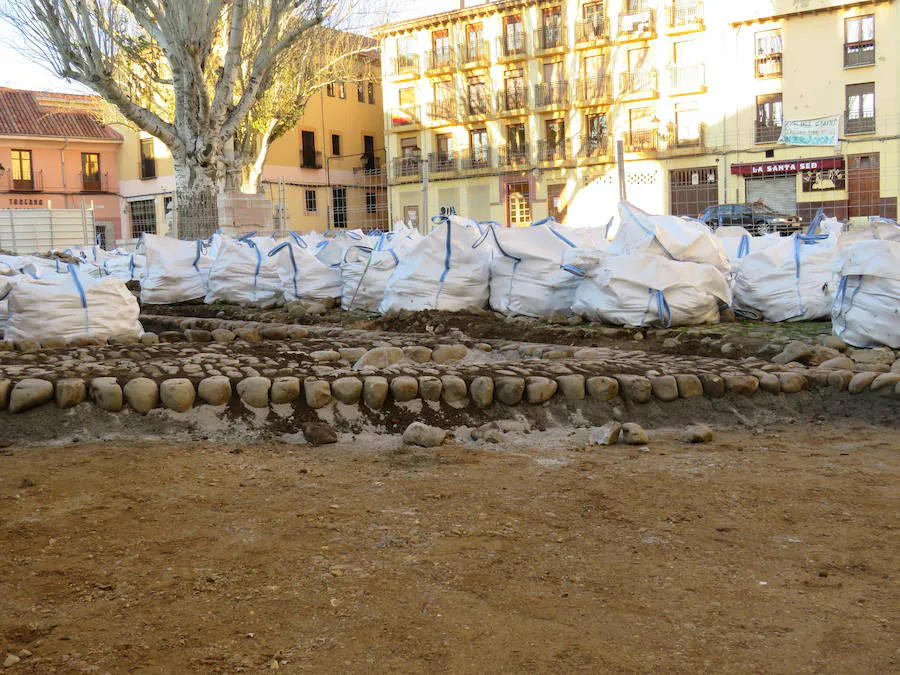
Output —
(787, 166)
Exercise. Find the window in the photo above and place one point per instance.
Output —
(593, 24)
(635, 5)
(371, 202)
(555, 143)
(309, 158)
(90, 172)
(478, 96)
(479, 151)
(552, 34)
(409, 153)
(513, 35)
(360, 92)
(312, 201)
(443, 160)
(148, 159)
(22, 174)
(768, 54)
(859, 41)
(688, 131)
(329, 89)
(143, 217)
(369, 163)
(769, 118)
(860, 108)
(371, 87)
(474, 42)
(339, 207)
(642, 130)
(514, 88)
(341, 90)
(440, 42)
(335, 145)
(518, 204)
(556, 206)
(595, 142)
(407, 96)
(442, 108)
(595, 81)
(516, 148)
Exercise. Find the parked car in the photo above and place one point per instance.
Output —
(756, 218)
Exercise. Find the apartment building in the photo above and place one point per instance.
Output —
(510, 110)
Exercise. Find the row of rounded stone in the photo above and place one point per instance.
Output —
(180, 394)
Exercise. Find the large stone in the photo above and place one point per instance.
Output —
(352, 354)
(196, 335)
(895, 368)
(55, 343)
(142, 394)
(445, 353)
(317, 392)
(885, 381)
(223, 336)
(689, 386)
(5, 386)
(430, 388)
(95, 341)
(297, 332)
(794, 351)
(822, 354)
(418, 353)
(274, 333)
(572, 387)
(215, 390)
(792, 383)
(319, 433)
(861, 382)
(509, 390)
(696, 433)
(380, 357)
(404, 388)
(839, 363)
(769, 383)
(347, 390)
(375, 391)
(876, 355)
(248, 335)
(635, 388)
(453, 389)
(171, 336)
(254, 391)
(664, 387)
(69, 392)
(608, 434)
(481, 391)
(424, 435)
(832, 342)
(149, 339)
(285, 390)
(743, 385)
(493, 432)
(107, 394)
(713, 385)
(325, 355)
(29, 393)
(27, 346)
(539, 390)
(177, 394)
(840, 379)
(634, 434)
(602, 388)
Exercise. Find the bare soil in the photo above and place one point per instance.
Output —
(757, 553)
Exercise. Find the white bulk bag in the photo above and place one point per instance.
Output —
(244, 274)
(331, 250)
(446, 270)
(792, 280)
(71, 305)
(7, 279)
(742, 243)
(682, 239)
(646, 289)
(527, 270)
(302, 275)
(364, 277)
(176, 270)
(866, 311)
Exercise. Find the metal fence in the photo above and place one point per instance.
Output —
(25, 231)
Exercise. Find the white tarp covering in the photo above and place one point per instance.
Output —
(681, 239)
(445, 270)
(646, 289)
(302, 275)
(71, 305)
(866, 311)
(527, 270)
(790, 281)
(176, 271)
(244, 274)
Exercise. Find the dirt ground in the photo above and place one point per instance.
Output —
(757, 553)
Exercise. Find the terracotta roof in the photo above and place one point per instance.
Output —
(36, 113)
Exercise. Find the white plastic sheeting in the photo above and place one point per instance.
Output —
(681, 239)
(649, 290)
(244, 274)
(527, 270)
(446, 270)
(866, 310)
(71, 305)
(792, 280)
(302, 275)
(176, 271)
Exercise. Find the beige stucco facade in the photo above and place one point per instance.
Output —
(697, 91)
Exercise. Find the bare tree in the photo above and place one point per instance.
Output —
(207, 61)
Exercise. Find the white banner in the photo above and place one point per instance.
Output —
(821, 131)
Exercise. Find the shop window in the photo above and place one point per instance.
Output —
(143, 217)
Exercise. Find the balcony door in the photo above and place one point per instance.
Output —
(22, 173)
(515, 140)
(474, 39)
(596, 134)
(515, 89)
(308, 149)
(444, 145)
(478, 147)
(90, 171)
(440, 42)
(863, 185)
(556, 139)
(552, 24)
(513, 34)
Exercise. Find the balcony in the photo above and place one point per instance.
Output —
(405, 67)
(474, 54)
(769, 65)
(444, 110)
(684, 16)
(767, 133)
(311, 160)
(692, 136)
(407, 169)
(515, 157)
(690, 79)
(591, 31)
(555, 151)
(642, 140)
(441, 59)
(95, 182)
(512, 101)
(639, 25)
(549, 38)
(511, 47)
(858, 54)
(593, 90)
(404, 117)
(594, 149)
(639, 84)
(442, 163)
(476, 160)
(551, 94)
(477, 105)
(854, 124)
(34, 182)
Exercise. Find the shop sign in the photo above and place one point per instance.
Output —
(821, 131)
(827, 179)
(787, 166)
(20, 201)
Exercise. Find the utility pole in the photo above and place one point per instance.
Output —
(424, 218)
(620, 165)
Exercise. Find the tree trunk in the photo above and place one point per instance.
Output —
(256, 150)
(196, 188)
